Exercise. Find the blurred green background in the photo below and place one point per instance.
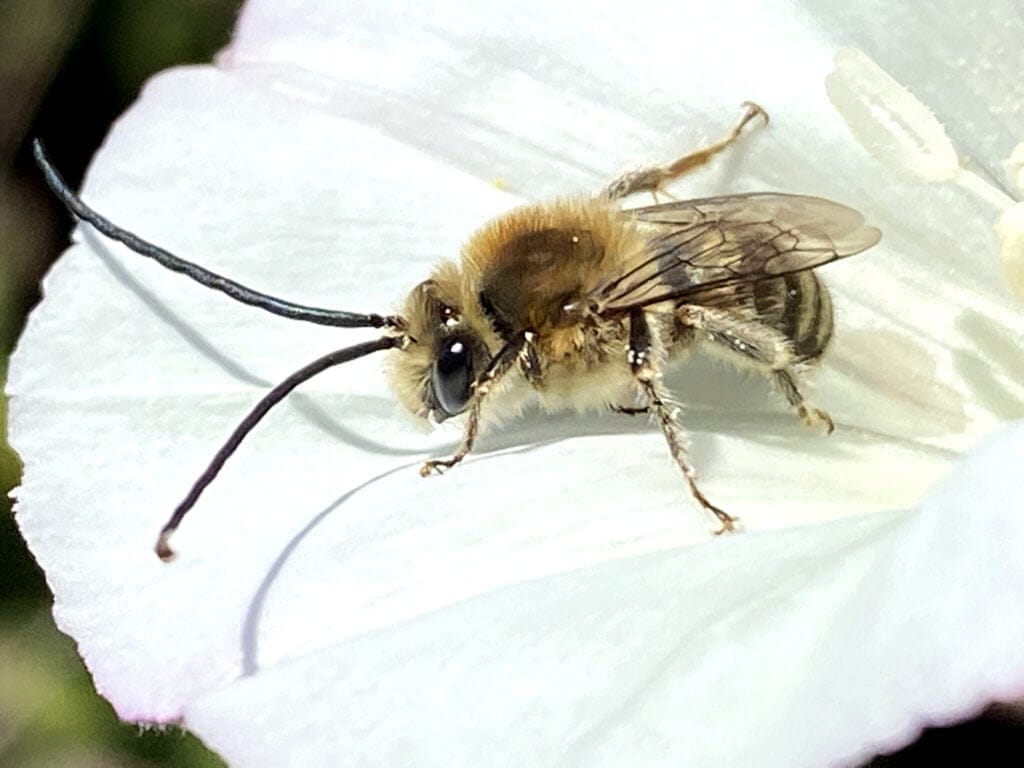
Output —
(67, 69)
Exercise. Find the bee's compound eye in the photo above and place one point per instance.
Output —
(453, 375)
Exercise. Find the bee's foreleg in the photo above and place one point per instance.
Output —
(654, 178)
(644, 362)
(520, 348)
(763, 346)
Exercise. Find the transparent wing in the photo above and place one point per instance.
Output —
(700, 248)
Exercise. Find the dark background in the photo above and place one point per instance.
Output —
(68, 68)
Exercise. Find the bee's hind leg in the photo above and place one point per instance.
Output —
(812, 417)
(654, 178)
(761, 345)
(644, 367)
(519, 349)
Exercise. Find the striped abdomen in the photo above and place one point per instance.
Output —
(798, 306)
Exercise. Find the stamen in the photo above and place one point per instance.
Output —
(888, 120)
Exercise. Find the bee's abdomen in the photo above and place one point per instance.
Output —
(799, 307)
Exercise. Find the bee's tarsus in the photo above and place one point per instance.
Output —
(727, 521)
(654, 178)
(815, 417)
(811, 417)
(438, 466)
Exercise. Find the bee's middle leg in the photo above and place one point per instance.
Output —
(520, 348)
(645, 371)
(654, 178)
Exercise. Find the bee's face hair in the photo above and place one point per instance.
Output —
(439, 313)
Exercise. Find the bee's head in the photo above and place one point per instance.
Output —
(433, 377)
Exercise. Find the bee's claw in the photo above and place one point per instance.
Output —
(436, 466)
(753, 110)
(813, 417)
(729, 524)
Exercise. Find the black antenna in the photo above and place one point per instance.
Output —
(333, 317)
(272, 398)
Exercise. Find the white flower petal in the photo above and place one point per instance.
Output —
(678, 59)
(815, 646)
(332, 160)
(163, 369)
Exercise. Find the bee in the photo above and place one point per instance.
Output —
(581, 303)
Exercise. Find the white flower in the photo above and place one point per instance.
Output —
(557, 600)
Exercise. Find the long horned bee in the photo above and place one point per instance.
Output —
(583, 304)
